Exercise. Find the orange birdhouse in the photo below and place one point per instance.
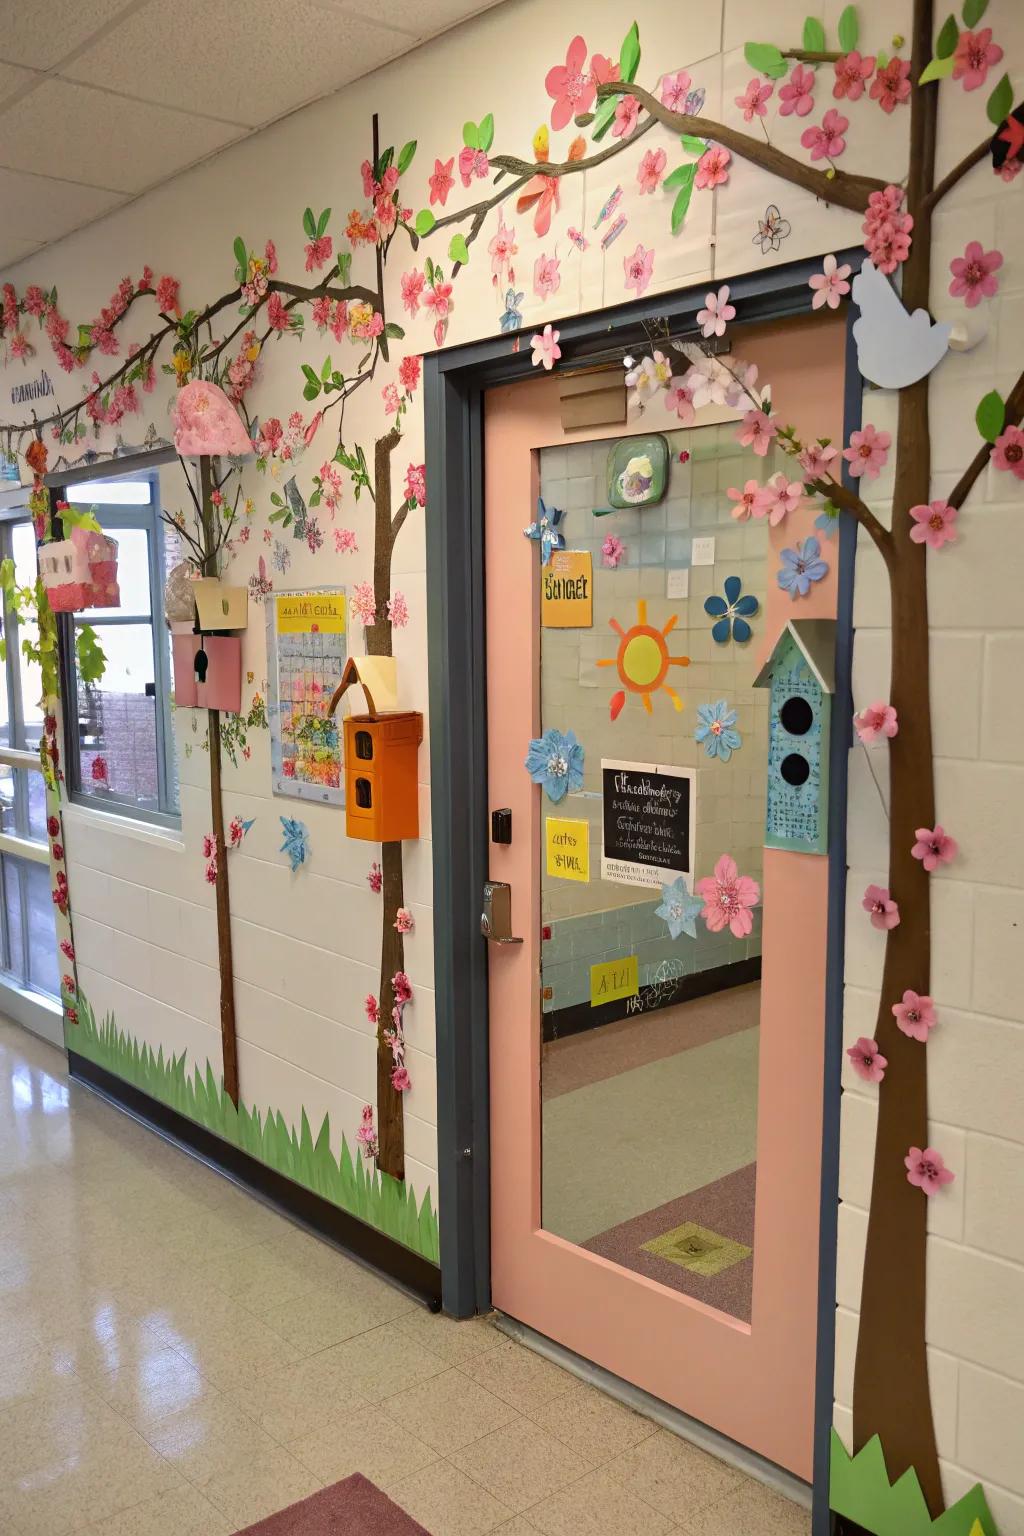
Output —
(381, 778)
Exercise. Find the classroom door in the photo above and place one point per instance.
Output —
(656, 1045)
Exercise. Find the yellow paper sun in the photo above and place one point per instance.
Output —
(643, 660)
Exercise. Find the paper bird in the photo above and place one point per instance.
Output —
(545, 530)
(894, 348)
(296, 841)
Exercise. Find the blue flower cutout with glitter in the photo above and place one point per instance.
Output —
(556, 762)
(717, 730)
(512, 319)
(545, 530)
(679, 909)
(801, 566)
(296, 841)
(827, 522)
(731, 612)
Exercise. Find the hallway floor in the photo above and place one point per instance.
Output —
(178, 1360)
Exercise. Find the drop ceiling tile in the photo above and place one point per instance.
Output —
(12, 79)
(12, 249)
(44, 208)
(42, 32)
(104, 140)
(422, 18)
(247, 64)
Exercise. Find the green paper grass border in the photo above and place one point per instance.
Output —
(860, 1490)
(374, 1197)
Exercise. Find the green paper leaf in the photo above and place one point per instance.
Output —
(947, 38)
(309, 223)
(990, 415)
(325, 371)
(682, 202)
(345, 268)
(321, 223)
(394, 331)
(766, 59)
(1000, 102)
(486, 132)
(691, 142)
(471, 135)
(974, 10)
(882, 59)
(629, 54)
(849, 29)
(405, 157)
(604, 116)
(241, 254)
(425, 221)
(814, 35)
(938, 69)
(458, 250)
(677, 177)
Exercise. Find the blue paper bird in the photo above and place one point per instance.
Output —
(545, 530)
(296, 841)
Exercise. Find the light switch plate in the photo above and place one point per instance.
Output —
(677, 583)
(702, 552)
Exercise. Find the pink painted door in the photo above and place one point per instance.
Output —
(656, 1086)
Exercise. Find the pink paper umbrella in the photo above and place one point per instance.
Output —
(206, 424)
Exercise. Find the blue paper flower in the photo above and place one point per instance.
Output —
(296, 841)
(827, 522)
(512, 319)
(679, 909)
(717, 730)
(801, 566)
(556, 762)
(731, 612)
(545, 530)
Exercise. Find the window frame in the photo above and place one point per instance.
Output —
(147, 466)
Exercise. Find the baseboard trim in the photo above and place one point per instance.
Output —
(336, 1226)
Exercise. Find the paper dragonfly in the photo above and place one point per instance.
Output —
(545, 530)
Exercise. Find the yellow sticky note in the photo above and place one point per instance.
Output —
(310, 613)
(567, 590)
(568, 849)
(612, 979)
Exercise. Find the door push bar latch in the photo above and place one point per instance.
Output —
(496, 917)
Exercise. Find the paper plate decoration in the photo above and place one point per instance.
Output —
(643, 660)
(894, 348)
(80, 571)
(638, 471)
(731, 612)
(555, 761)
(206, 424)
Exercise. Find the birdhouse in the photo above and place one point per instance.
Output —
(207, 672)
(381, 755)
(800, 674)
(80, 572)
(218, 606)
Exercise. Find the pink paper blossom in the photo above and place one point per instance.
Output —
(400, 1080)
(612, 551)
(797, 95)
(874, 721)
(680, 399)
(1008, 451)
(728, 897)
(210, 872)
(412, 288)
(885, 913)
(398, 610)
(167, 295)
(934, 846)
(756, 431)
(501, 248)
(389, 394)
(915, 1015)
(569, 85)
(627, 110)
(926, 1170)
(716, 314)
(754, 99)
(712, 168)
(830, 285)
(472, 162)
(638, 269)
(404, 920)
(545, 348)
(867, 1060)
(375, 878)
(278, 317)
(868, 451)
(817, 459)
(363, 603)
(651, 169)
(891, 85)
(933, 524)
(371, 1008)
(409, 373)
(974, 274)
(319, 252)
(852, 73)
(441, 181)
(674, 90)
(825, 141)
(887, 229)
(366, 1135)
(416, 484)
(546, 276)
(67, 949)
(782, 496)
(209, 846)
(974, 55)
(402, 987)
(752, 501)
(1010, 169)
(345, 541)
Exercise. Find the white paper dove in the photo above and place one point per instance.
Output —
(894, 348)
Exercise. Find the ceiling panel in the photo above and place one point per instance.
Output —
(41, 32)
(44, 208)
(423, 18)
(101, 139)
(12, 79)
(12, 249)
(302, 51)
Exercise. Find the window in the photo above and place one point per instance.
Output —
(28, 941)
(119, 741)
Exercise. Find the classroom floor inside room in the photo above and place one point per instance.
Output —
(177, 1359)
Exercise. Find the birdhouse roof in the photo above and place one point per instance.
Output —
(815, 639)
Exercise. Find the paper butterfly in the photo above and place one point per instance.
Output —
(296, 841)
(512, 319)
(694, 101)
(771, 230)
(578, 238)
(545, 530)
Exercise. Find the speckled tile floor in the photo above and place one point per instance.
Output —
(178, 1360)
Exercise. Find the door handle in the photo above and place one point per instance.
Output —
(496, 917)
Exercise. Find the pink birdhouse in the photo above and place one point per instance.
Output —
(206, 424)
(80, 571)
(100, 552)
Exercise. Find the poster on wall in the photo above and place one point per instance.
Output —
(649, 815)
(306, 650)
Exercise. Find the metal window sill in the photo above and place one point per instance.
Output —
(124, 824)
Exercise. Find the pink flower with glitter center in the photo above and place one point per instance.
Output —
(926, 1170)
(885, 912)
(868, 451)
(933, 524)
(915, 1015)
(797, 95)
(874, 721)
(867, 1060)
(728, 897)
(974, 274)
(934, 846)
(1008, 451)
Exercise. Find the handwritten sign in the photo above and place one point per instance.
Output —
(567, 590)
(568, 848)
(649, 816)
(613, 979)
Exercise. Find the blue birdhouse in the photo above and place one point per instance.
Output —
(800, 673)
